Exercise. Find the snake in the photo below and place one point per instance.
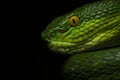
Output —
(90, 34)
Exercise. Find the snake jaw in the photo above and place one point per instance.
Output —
(60, 47)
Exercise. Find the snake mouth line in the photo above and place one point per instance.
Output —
(61, 44)
(60, 47)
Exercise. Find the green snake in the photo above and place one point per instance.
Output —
(91, 35)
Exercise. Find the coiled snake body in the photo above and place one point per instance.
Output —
(91, 34)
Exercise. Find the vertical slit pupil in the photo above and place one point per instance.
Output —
(73, 21)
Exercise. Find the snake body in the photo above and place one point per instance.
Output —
(84, 33)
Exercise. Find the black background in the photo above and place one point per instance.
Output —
(47, 64)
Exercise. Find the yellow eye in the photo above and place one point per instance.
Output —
(74, 20)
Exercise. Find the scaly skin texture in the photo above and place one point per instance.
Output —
(98, 65)
(98, 28)
(99, 24)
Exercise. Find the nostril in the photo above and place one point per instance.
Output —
(47, 36)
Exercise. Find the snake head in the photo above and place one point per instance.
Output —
(58, 33)
(84, 28)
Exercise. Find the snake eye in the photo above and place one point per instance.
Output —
(74, 20)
